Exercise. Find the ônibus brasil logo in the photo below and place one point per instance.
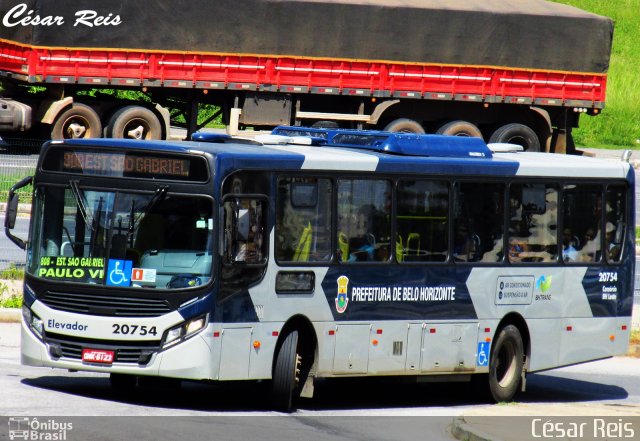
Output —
(342, 301)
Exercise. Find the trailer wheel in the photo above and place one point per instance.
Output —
(506, 364)
(78, 121)
(325, 124)
(134, 122)
(516, 133)
(460, 128)
(404, 125)
(286, 373)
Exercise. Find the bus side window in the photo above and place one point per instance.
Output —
(303, 220)
(422, 221)
(478, 222)
(581, 219)
(533, 216)
(615, 227)
(364, 220)
(243, 240)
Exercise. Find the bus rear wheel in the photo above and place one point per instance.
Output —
(134, 122)
(286, 373)
(506, 364)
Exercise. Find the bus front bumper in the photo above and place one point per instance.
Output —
(192, 359)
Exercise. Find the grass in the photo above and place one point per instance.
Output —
(10, 302)
(619, 124)
(7, 181)
(12, 273)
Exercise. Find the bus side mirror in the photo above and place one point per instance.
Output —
(12, 211)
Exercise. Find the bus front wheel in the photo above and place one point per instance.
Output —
(286, 373)
(506, 364)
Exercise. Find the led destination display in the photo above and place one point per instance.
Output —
(127, 164)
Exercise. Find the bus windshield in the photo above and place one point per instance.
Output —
(121, 239)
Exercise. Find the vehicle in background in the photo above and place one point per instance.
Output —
(521, 73)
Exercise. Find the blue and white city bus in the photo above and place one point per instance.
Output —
(335, 254)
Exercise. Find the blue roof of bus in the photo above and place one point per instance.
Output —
(232, 154)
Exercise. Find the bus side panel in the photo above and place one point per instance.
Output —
(545, 335)
(352, 349)
(235, 353)
(584, 339)
(449, 347)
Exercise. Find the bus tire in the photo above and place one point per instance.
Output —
(286, 373)
(516, 133)
(404, 125)
(134, 122)
(78, 121)
(123, 382)
(460, 128)
(506, 364)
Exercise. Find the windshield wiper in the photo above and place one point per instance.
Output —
(82, 207)
(158, 195)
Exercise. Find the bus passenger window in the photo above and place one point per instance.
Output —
(478, 223)
(303, 220)
(533, 223)
(581, 219)
(364, 225)
(615, 217)
(422, 221)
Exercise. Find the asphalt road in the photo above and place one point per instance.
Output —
(347, 409)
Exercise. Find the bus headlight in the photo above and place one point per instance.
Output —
(33, 321)
(183, 331)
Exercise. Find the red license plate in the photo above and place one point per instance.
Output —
(97, 356)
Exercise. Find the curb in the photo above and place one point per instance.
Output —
(10, 315)
(464, 432)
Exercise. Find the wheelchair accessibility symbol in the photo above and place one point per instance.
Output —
(483, 354)
(119, 272)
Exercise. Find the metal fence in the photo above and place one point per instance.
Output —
(14, 165)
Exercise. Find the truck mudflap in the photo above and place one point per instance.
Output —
(14, 116)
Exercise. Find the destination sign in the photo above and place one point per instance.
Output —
(127, 164)
(123, 165)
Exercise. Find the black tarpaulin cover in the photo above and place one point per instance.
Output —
(533, 34)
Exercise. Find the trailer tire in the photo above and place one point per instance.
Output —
(134, 122)
(325, 124)
(286, 373)
(78, 121)
(516, 133)
(460, 128)
(404, 125)
(506, 364)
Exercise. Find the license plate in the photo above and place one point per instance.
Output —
(97, 356)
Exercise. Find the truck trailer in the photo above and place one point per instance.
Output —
(520, 72)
